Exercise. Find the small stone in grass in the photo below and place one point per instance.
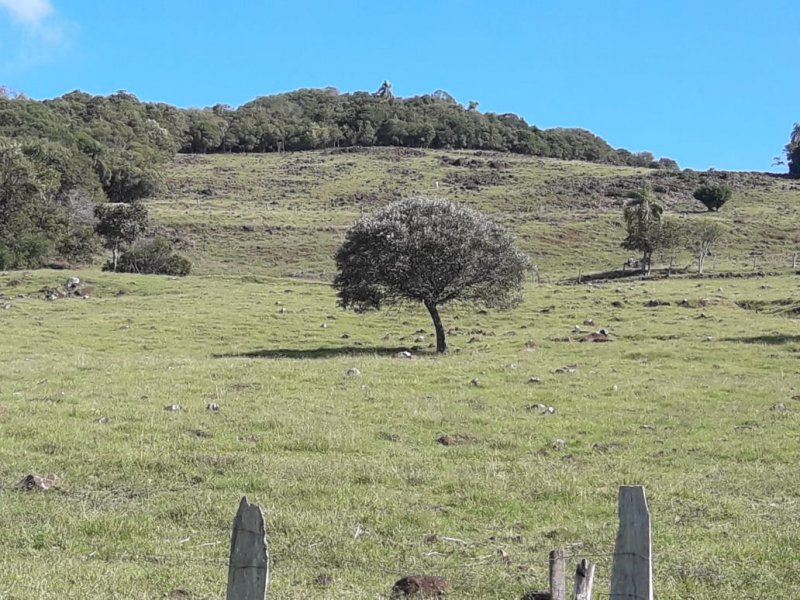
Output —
(173, 407)
(426, 586)
(212, 406)
(352, 372)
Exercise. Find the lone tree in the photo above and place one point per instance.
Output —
(702, 238)
(713, 196)
(431, 251)
(120, 224)
(643, 226)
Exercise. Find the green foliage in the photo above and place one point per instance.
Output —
(713, 196)
(643, 226)
(37, 220)
(431, 251)
(702, 237)
(120, 224)
(153, 256)
(793, 152)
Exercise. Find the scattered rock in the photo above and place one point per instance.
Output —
(558, 444)
(6, 306)
(173, 408)
(615, 387)
(475, 382)
(704, 302)
(597, 336)
(352, 372)
(323, 325)
(250, 437)
(419, 339)
(72, 283)
(537, 596)
(566, 369)
(102, 420)
(212, 406)
(421, 585)
(404, 354)
(35, 482)
(588, 322)
(344, 336)
(603, 448)
(542, 408)
(653, 302)
(780, 406)
(535, 380)
(456, 439)
(684, 303)
(617, 304)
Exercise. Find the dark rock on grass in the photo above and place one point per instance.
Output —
(537, 596)
(456, 439)
(653, 303)
(425, 586)
(35, 482)
(597, 336)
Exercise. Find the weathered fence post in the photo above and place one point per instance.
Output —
(584, 579)
(632, 569)
(248, 569)
(558, 575)
(794, 260)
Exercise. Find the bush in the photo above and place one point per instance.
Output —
(151, 257)
(713, 196)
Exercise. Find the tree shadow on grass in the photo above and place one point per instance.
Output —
(298, 353)
(775, 339)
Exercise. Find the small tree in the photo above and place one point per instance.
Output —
(713, 196)
(702, 237)
(431, 251)
(670, 239)
(119, 224)
(643, 226)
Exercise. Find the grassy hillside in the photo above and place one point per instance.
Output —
(699, 400)
(284, 214)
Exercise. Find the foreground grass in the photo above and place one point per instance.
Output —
(683, 402)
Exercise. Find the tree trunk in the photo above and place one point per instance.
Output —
(441, 345)
(115, 255)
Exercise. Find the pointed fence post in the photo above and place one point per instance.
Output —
(632, 569)
(248, 569)
(584, 580)
(558, 575)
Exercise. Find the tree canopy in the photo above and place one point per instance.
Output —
(431, 251)
(643, 226)
(793, 151)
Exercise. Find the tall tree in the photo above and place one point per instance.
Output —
(643, 226)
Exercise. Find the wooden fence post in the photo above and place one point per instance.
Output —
(632, 569)
(558, 575)
(248, 569)
(584, 579)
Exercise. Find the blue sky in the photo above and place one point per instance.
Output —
(708, 83)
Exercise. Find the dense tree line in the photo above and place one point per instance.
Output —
(311, 119)
(61, 158)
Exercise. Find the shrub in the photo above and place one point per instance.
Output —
(152, 256)
(713, 196)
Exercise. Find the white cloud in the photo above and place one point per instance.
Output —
(28, 12)
(38, 35)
